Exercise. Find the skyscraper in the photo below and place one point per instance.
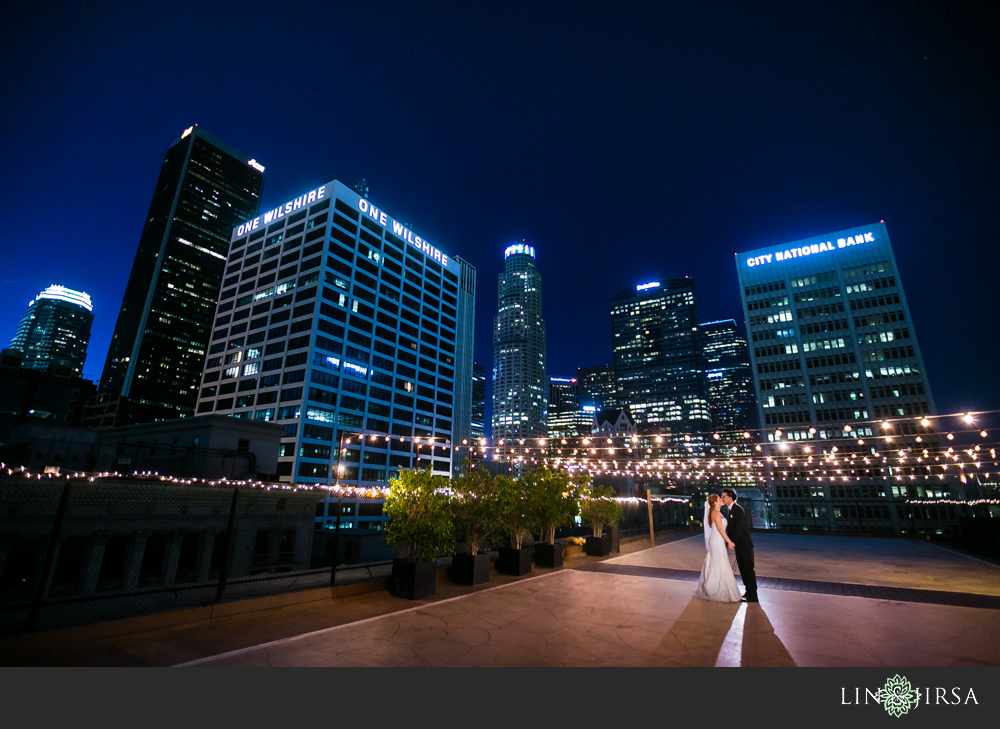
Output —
(477, 430)
(55, 331)
(520, 376)
(351, 332)
(729, 379)
(566, 419)
(564, 394)
(205, 189)
(837, 369)
(654, 329)
(597, 386)
(478, 401)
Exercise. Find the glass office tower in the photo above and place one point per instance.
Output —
(729, 379)
(350, 331)
(657, 350)
(834, 355)
(520, 377)
(597, 386)
(54, 332)
(205, 189)
(478, 401)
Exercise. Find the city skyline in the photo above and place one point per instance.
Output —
(730, 149)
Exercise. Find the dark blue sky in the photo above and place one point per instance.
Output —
(625, 141)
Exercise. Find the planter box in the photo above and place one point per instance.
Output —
(412, 581)
(467, 569)
(514, 561)
(548, 555)
(599, 546)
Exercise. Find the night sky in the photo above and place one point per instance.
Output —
(626, 141)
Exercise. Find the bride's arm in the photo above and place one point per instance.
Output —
(717, 520)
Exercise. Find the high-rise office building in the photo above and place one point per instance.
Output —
(597, 386)
(566, 418)
(478, 401)
(55, 331)
(520, 375)
(478, 424)
(564, 394)
(660, 376)
(729, 379)
(347, 324)
(835, 355)
(205, 189)
(571, 423)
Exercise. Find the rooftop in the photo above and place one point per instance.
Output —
(824, 601)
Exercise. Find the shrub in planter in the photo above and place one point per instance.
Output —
(477, 519)
(553, 500)
(516, 519)
(420, 522)
(599, 508)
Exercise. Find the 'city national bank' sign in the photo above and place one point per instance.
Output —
(802, 251)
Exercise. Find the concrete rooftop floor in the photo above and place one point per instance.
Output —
(634, 609)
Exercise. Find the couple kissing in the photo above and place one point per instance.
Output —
(717, 582)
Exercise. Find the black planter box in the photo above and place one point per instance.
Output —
(514, 561)
(467, 569)
(548, 555)
(599, 546)
(412, 581)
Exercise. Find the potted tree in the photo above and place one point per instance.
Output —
(598, 509)
(420, 522)
(512, 500)
(554, 499)
(477, 519)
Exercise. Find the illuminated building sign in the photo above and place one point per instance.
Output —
(345, 194)
(647, 286)
(402, 231)
(802, 251)
(279, 212)
(589, 409)
(562, 379)
(519, 248)
(188, 131)
(256, 165)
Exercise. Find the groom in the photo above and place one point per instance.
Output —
(739, 533)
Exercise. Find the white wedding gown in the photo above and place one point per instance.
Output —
(717, 581)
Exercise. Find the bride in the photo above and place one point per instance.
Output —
(716, 581)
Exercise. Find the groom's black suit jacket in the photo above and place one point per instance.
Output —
(737, 529)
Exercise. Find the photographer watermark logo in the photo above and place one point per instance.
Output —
(898, 696)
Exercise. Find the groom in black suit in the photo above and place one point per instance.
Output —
(739, 532)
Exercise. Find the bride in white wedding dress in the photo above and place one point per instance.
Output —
(717, 581)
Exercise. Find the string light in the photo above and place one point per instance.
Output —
(678, 464)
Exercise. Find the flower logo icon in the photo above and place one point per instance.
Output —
(897, 696)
